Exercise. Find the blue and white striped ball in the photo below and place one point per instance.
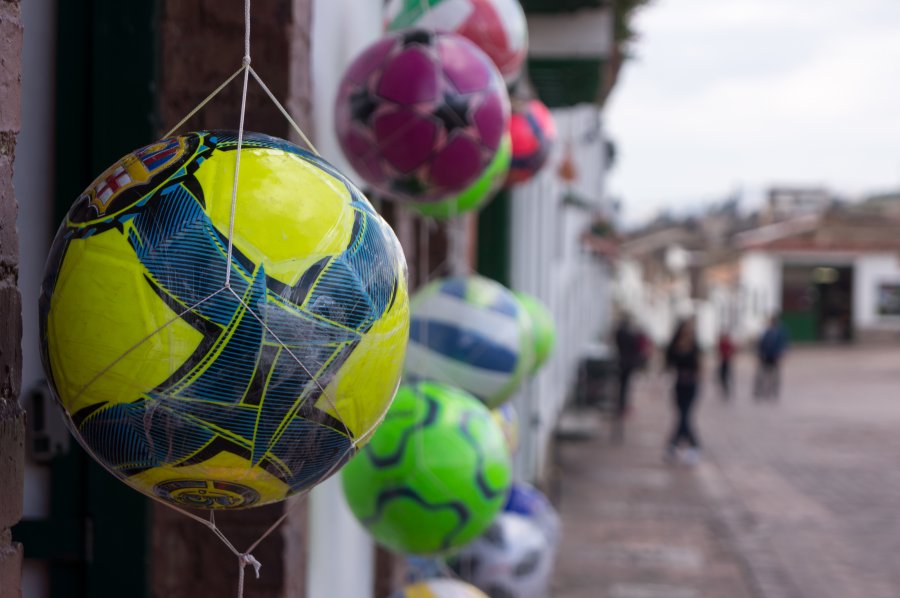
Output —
(470, 332)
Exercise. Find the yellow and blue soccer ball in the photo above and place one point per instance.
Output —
(221, 362)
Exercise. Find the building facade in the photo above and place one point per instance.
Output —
(100, 79)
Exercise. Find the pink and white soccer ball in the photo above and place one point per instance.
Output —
(421, 114)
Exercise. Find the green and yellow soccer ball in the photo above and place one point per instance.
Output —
(435, 475)
(221, 362)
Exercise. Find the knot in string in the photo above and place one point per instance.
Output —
(246, 60)
(248, 559)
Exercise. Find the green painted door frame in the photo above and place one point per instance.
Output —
(494, 239)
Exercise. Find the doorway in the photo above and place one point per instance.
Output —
(817, 302)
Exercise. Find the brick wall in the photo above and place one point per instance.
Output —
(12, 419)
(202, 43)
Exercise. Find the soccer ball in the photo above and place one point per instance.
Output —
(529, 502)
(498, 27)
(213, 382)
(512, 559)
(440, 588)
(420, 115)
(533, 133)
(477, 194)
(471, 332)
(435, 474)
(543, 328)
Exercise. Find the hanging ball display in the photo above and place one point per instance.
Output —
(533, 133)
(506, 417)
(220, 362)
(471, 332)
(543, 328)
(440, 588)
(498, 27)
(512, 558)
(420, 115)
(477, 194)
(435, 474)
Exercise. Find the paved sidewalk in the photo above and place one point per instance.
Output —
(792, 499)
(634, 526)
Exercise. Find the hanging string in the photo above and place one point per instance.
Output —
(205, 101)
(284, 112)
(246, 557)
(240, 141)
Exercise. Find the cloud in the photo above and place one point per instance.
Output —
(757, 92)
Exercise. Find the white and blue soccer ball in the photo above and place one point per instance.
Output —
(529, 502)
(512, 559)
(473, 333)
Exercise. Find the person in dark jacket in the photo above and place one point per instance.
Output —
(684, 360)
(629, 353)
(770, 350)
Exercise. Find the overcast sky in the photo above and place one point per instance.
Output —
(743, 94)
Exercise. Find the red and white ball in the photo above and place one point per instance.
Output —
(533, 134)
(498, 27)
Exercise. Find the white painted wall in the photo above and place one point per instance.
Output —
(549, 262)
(341, 29)
(341, 557)
(341, 561)
(586, 34)
(870, 271)
(653, 311)
(760, 276)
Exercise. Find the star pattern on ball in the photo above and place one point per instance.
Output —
(453, 112)
(362, 105)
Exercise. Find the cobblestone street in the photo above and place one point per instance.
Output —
(795, 498)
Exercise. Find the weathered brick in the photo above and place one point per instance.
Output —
(188, 560)
(10, 65)
(12, 464)
(10, 568)
(202, 44)
(9, 245)
(10, 340)
(12, 418)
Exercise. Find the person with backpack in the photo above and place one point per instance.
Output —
(770, 350)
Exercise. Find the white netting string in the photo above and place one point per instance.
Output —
(237, 156)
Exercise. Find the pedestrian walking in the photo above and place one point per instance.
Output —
(628, 349)
(683, 358)
(770, 350)
(726, 351)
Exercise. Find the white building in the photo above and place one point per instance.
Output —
(832, 277)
